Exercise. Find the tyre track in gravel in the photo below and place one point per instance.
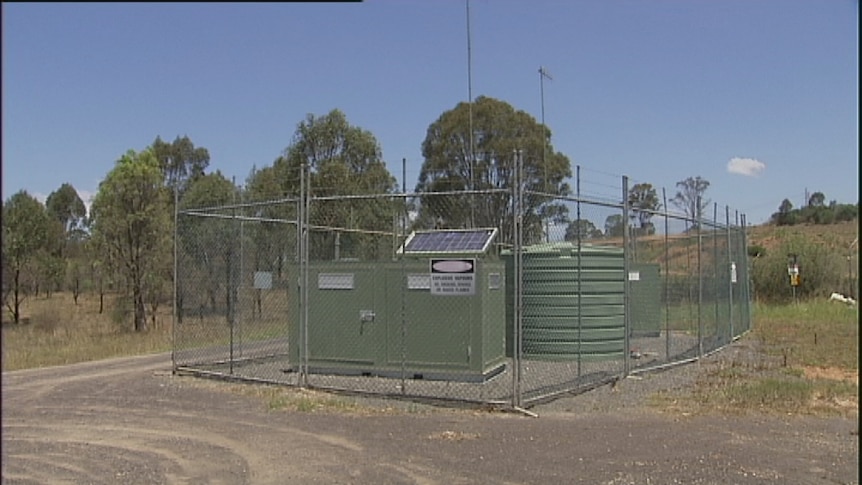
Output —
(130, 421)
(91, 423)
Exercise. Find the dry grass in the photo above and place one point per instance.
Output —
(60, 332)
(838, 236)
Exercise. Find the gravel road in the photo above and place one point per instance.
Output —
(130, 421)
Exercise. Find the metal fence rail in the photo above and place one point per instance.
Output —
(506, 297)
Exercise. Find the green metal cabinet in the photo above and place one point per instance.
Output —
(368, 318)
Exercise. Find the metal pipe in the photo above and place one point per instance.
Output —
(666, 278)
(731, 266)
(174, 310)
(580, 269)
(626, 283)
(699, 223)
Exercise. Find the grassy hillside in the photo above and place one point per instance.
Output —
(837, 237)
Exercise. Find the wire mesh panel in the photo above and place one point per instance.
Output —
(510, 297)
(232, 298)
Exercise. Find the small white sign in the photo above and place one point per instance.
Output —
(634, 276)
(262, 280)
(733, 272)
(453, 277)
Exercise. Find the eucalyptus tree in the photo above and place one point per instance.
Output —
(131, 219)
(180, 161)
(452, 164)
(25, 234)
(643, 201)
(689, 198)
(583, 229)
(67, 210)
(341, 160)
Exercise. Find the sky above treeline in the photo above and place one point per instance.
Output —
(759, 98)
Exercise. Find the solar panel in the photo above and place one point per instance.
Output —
(449, 241)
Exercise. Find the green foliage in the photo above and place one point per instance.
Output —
(66, 206)
(822, 270)
(341, 159)
(816, 212)
(498, 131)
(643, 201)
(25, 236)
(585, 228)
(756, 251)
(180, 161)
(614, 226)
(131, 221)
(817, 199)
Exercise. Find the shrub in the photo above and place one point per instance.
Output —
(822, 271)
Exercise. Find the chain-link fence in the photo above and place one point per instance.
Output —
(504, 296)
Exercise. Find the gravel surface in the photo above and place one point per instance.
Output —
(130, 421)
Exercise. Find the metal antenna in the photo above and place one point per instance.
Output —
(470, 111)
(543, 73)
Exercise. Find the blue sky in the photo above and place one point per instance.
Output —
(758, 97)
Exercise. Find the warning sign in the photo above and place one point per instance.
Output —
(453, 277)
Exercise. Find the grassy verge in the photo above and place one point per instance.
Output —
(292, 399)
(805, 361)
(58, 332)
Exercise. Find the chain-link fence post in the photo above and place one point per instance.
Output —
(666, 276)
(405, 285)
(626, 284)
(174, 311)
(518, 290)
(699, 224)
(303, 278)
(580, 268)
(731, 267)
(716, 326)
(747, 291)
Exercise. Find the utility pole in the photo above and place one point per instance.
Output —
(543, 73)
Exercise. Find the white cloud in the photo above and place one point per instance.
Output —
(749, 167)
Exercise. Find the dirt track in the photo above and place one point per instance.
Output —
(129, 421)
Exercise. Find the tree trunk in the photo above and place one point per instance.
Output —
(259, 305)
(101, 296)
(154, 307)
(16, 312)
(76, 290)
(140, 310)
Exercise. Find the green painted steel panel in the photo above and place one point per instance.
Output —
(437, 337)
(645, 299)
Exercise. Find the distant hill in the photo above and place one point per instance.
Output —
(838, 236)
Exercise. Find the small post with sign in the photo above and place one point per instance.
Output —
(793, 272)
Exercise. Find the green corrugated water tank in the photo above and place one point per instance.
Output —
(573, 302)
(645, 299)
